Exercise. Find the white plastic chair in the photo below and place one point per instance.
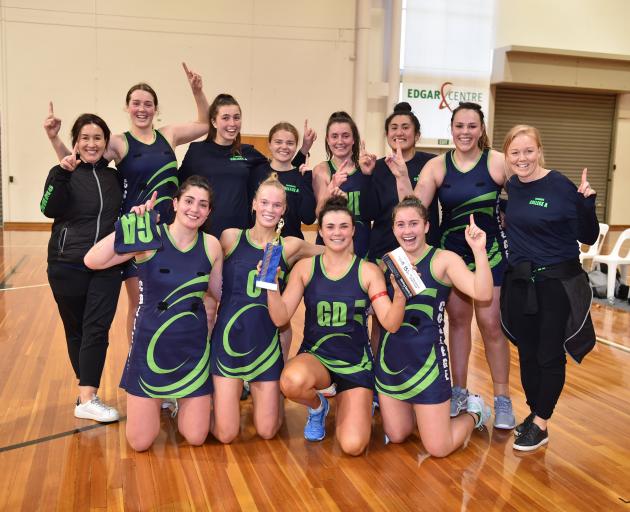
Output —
(594, 249)
(613, 260)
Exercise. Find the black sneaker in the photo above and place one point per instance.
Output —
(531, 439)
(522, 427)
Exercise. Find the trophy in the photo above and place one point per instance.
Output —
(271, 259)
(404, 272)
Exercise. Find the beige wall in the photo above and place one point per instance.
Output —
(282, 59)
(579, 25)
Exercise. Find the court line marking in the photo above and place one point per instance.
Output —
(59, 435)
(22, 287)
(613, 344)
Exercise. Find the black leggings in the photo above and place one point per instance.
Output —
(87, 303)
(540, 338)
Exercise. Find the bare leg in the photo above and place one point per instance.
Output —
(441, 435)
(193, 418)
(132, 285)
(227, 409)
(211, 310)
(268, 410)
(86, 393)
(460, 312)
(497, 349)
(301, 377)
(375, 335)
(354, 420)
(143, 421)
(398, 418)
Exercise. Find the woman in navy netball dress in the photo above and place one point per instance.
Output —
(342, 174)
(469, 180)
(170, 352)
(145, 159)
(245, 342)
(412, 371)
(337, 288)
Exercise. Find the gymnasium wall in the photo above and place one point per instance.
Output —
(282, 59)
(579, 25)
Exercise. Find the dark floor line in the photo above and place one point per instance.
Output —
(3, 283)
(59, 435)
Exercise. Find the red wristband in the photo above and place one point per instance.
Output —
(377, 295)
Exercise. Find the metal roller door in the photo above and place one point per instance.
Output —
(576, 130)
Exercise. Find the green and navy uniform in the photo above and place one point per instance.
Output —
(335, 324)
(169, 355)
(473, 191)
(245, 342)
(412, 363)
(352, 187)
(144, 169)
(378, 199)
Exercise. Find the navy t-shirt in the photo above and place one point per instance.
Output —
(545, 219)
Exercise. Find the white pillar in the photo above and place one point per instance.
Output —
(360, 105)
(393, 69)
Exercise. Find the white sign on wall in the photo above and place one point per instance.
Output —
(434, 102)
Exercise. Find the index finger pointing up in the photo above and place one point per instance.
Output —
(50, 109)
(584, 172)
(186, 70)
(472, 221)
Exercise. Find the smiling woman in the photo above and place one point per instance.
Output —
(83, 197)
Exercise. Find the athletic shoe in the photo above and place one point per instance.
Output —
(95, 410)
(503, 414)
(329, 391)
(531, 439)
(245, 392)
(522, 427)
(315, 428)
(476, 406)
(458, 400)
(172, 405)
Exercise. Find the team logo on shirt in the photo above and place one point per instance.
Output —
(538, 201)
(289, 187)
(237, 157)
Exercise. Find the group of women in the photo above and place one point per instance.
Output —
(200, 327)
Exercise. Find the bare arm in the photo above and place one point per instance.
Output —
(296, 249)
(398, 168)
(430, 178)
(215, 283)
(102, 255)
(282, 307)
(324, 186)
(52, 125)
(389, 313)
(184, 133)
(479, 284)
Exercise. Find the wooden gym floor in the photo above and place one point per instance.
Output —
(51, 461)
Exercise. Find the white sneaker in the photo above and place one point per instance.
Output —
(95, 410)
(172, 405)
(329, 391)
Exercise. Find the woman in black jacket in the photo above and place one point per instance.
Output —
(83, 197)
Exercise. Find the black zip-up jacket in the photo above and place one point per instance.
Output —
(85, 203)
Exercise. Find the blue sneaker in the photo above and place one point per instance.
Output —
(315, 428)
(503, 414)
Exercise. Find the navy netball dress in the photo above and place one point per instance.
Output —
(147, 168)
(335, 323)
(170, 350)
(245, 342)
(352, 187)
(473, 191)
(412, 364)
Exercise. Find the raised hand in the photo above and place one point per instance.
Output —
(336, 191)
(194, 79)
(308, 139)
(72, 161)
(340, 177)
(585, 188)
(367, 161)
(141, 209)
(52, 124)
(396, 162)
(304, 168)
(475, 236)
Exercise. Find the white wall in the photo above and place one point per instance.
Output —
(282, 60)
